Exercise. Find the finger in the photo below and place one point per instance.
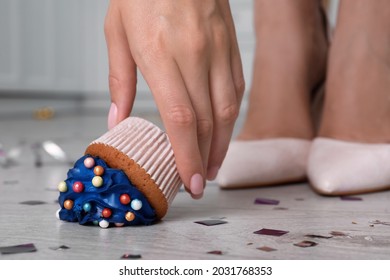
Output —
(235, 57)
(225, 103)
(122, 68)
(178, 115)
(194, 71)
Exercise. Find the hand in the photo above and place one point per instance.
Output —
(188, 54)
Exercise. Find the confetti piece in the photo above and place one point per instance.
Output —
(368, 238)
(60, 248)
(306, 243)
(131, 257)
(317, 236)
(354, 223)
(266, 249)
(299, 199)
(273, 232)
(33, 202)
(337, 233)
(216, 252)
(250, 243)
(211, 222)
(350, 198)
(377, 222)
(280, 208)
(266, 201)
(11, 182)
(23, 248)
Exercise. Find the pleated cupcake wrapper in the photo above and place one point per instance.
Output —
(150, 148)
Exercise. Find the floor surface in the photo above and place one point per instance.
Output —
(338, 229)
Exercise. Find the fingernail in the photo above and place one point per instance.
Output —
(212, 172)
(112, 116)
(196, 184)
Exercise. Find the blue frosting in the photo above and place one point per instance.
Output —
(115, 183)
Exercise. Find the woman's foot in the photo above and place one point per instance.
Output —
(352, 154)
(290, 61)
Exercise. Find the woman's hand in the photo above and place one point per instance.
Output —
(188, 54)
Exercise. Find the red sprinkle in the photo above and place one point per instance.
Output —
(78, 187)
(106, 213)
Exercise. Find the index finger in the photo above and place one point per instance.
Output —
(179, 118)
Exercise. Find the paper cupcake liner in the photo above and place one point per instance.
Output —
(149, 148)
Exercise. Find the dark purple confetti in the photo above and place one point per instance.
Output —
(211, 222)
(306, 243)
(216, 252)
(266, 201)
(59, 248)
(266, 249)
(250, 243)
(337, 233)
(33, 202)
(273, 232)
(317, 236)
(350, 198)
(23, 248)
(131, 257)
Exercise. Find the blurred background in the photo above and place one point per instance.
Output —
(53, 58)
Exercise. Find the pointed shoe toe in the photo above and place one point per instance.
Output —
(264, 162)
(338, 167)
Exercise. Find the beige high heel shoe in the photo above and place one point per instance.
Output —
(264, 162)
(338, 167)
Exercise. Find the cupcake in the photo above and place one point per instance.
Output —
(127, 176)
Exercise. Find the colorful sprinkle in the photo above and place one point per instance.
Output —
(136, 204)
(97, 181)
(68, 204)
(89, 162)
(104, 224)
(98, 170)
(124, 199)
(62, 187)
(106, 213)
(87, 207)
(129, 216)
(78, 187)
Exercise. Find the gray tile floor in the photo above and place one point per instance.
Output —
(300, 212)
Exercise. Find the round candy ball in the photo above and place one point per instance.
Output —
(97, 181)
(106, 213)
(98, 170)
(136, 204)
(62, 187)
(129, 216)
(119, 224)
(87, 207)
(104, 224)
(124, 199)
(68, 204)
(89, 162)
(78, 187)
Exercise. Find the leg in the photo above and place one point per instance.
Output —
(348, 157)
(290, 60)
